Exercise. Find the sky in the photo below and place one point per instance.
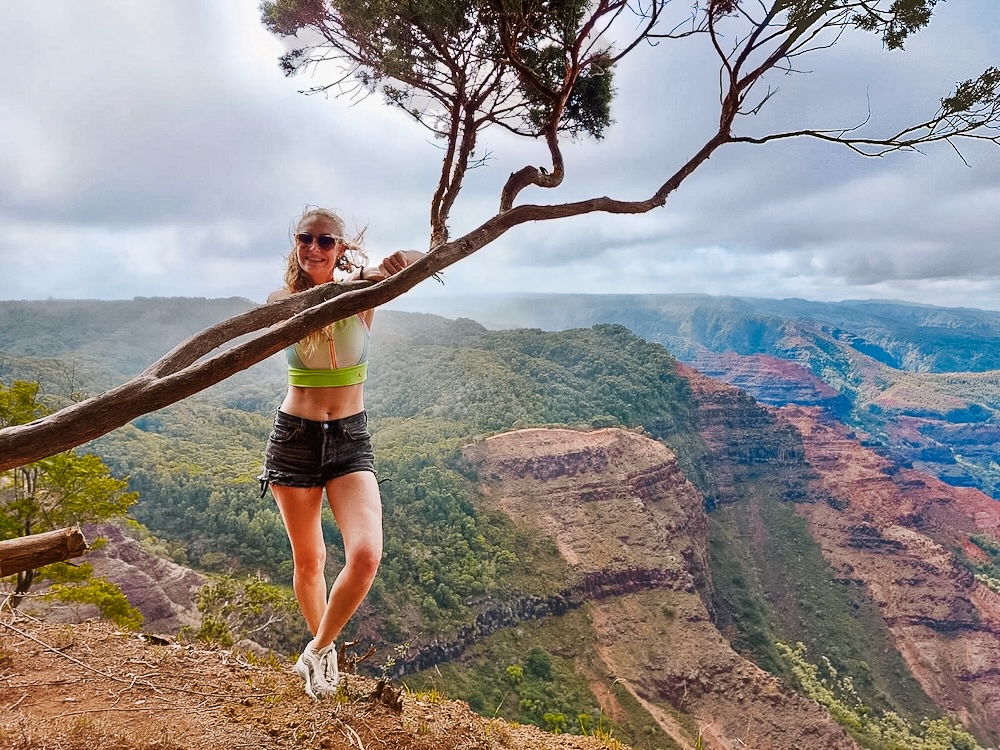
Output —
(155, 149)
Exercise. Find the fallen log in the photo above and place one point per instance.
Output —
(36, 550)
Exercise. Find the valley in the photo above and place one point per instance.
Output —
(581, 529)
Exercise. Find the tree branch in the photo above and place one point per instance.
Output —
(183, 371)
(36, 550)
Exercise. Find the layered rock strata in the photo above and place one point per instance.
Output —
(615, 501)
(163, 591)
(896, 531)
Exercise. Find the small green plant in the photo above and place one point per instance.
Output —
(431, 695)
(514, 674)
(108, 597)
(604, 732)
(213, 632)
(270, 659)
(340, 696)
(555, 722)
(389, 665)
(988, 581)
(539, 664)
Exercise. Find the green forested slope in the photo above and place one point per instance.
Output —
(434, 384)
(427, 366)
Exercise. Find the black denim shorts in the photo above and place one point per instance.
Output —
(304, 453)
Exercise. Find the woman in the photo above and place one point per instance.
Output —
(320, 441)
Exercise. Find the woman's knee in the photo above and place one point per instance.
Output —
(310, 564)
(364, 560)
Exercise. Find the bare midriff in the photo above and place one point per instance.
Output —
(324, 404)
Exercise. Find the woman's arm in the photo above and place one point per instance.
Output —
(391, 264)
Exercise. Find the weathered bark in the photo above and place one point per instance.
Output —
(31, 552)
(188, 368)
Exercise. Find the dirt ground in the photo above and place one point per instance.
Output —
(75, 687)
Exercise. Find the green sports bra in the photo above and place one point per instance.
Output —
(343, 360)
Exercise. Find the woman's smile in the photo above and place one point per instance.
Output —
(316, 261)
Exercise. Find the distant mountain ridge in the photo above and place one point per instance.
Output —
(98, 344)
(922, 381)
(907, 336)
(141, 330)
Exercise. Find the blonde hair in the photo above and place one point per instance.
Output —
(297, 280)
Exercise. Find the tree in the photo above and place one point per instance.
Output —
(76, 585)
(60, 490)
(249, 609)
(540, 69)
(537, 69)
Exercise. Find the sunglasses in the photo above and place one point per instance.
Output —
(324, 241)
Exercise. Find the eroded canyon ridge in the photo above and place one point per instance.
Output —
(635, 535)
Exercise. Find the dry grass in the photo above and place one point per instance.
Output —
(76, 687)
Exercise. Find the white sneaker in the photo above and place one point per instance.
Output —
(311, 666)
(330, 669)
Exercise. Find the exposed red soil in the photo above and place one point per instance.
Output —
(76, 687)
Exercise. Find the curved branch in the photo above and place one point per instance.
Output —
(530, 175)
(184, 371)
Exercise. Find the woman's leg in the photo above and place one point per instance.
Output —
(300, 509)
(357, 507)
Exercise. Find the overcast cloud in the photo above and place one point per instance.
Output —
(154, 149)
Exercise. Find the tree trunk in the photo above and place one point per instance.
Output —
(31, 552)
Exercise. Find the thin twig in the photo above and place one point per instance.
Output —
(351, 734)
(54, 650)
(112, 709)
(118, 695)
(16, 703)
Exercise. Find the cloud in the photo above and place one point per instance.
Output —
(156, 149)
